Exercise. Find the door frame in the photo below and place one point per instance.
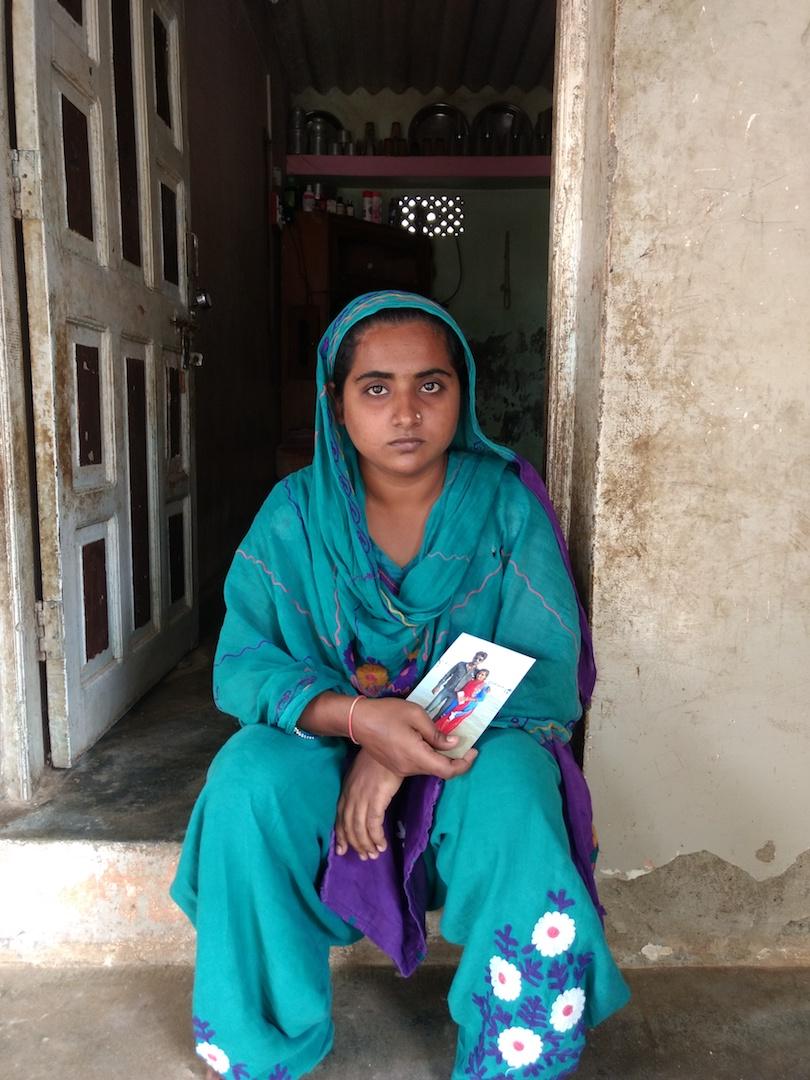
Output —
(22, 749)
(583, 161)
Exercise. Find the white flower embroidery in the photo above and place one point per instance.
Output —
(213, 1056)
(567, 1009)
(506, 980)
(519, 1046)
(553, 933)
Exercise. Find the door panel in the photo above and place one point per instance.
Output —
(100, 105)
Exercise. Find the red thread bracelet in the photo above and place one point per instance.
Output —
(352, 707)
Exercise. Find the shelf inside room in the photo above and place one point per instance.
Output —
(531, 170)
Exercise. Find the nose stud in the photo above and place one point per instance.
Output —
(418, 417)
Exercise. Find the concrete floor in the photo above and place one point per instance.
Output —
(133, 1024)
(139, 782)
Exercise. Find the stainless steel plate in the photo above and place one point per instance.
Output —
(502, 129)
(439, 129)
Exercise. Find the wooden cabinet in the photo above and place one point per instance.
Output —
(327, 260)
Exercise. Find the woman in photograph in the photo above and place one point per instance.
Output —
(332, 814)
(467, 698)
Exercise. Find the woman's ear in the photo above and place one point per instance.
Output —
(337, 401)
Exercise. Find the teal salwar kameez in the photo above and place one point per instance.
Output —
(313, 605)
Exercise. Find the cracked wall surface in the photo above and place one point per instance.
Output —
(699, 739)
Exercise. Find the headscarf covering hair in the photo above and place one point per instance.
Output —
(335, 458)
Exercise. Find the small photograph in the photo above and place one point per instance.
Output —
(465, 690)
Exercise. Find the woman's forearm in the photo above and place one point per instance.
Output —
(327, 714)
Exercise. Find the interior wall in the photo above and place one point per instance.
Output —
(698, 748)
(509, 344)
(236, 392)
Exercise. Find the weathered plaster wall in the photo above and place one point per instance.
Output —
(699, 738)
(236, 398)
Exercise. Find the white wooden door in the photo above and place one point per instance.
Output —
(103, 175)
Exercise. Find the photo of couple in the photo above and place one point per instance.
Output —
(467, 688)
(458, 693)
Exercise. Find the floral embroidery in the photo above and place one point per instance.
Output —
(220, 1062)
(567, 1009)
(213, 1056)
(371, 678)
(519, 1046)
(288, 695)
(542, 1033)
(506, 979)
(553, 933)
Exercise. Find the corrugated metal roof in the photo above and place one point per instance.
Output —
(374, 44)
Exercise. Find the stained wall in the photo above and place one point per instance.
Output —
(698, 749)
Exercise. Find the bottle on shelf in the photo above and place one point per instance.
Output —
(308, 199)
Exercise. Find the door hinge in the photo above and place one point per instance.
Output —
(26, 185)
(49, 629)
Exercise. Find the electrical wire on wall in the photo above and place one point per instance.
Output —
(506, 287)
(455, 291)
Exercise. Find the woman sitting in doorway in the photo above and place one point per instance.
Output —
(331, 814)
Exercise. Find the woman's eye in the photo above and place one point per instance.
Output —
(377, 390)
(431, 387)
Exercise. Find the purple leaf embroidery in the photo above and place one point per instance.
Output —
(560, 899)
(532, 1012)
(505, 943)
(583, 961)
(279, 1073)
(501, 1016)
(531, 971)
(203, 1032)
(558, 975)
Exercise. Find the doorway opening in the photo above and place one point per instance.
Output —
(248, 175)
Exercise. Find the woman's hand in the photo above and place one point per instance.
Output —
(368, 788)
(401, 737)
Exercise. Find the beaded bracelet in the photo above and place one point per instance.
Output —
(352, 707)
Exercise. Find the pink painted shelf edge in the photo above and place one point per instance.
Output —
(528, 167)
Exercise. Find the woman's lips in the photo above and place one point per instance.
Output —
(406, 444)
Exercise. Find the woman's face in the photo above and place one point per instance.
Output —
(401, 399)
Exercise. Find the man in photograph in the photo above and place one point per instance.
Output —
(452, 681)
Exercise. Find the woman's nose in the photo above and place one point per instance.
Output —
(407, 413)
